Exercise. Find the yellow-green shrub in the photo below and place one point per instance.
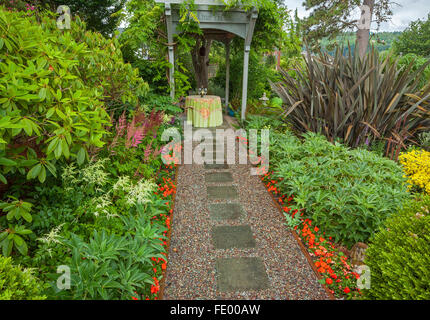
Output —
(416, 164)
(398, 256)
(17, 283)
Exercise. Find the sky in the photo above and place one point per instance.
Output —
(409, 10)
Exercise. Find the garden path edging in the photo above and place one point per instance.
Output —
(303, 248)
(163, 281)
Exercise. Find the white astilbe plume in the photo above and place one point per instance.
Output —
(101, 204)
(123, 184)
(95, 174)
(52, 236)
(69, 174)
(141, 192)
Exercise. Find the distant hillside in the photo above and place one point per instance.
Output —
(381, 40)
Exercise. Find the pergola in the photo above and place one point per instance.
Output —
(220, 25)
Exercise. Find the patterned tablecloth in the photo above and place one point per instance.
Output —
(204, 112)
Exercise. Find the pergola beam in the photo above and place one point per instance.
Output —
(218, 26)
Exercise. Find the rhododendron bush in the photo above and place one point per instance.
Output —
(56, 91)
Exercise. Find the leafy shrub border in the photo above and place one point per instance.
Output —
(325, 260)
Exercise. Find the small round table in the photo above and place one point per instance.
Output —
(204, 112)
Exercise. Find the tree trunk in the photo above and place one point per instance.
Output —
(363, 32)
(200, 58)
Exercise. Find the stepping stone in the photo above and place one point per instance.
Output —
(216, 166)
(224, 193)
(240, 274)
(218, 177)
(227, 237)
(225, 211)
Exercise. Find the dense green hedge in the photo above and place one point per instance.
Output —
(347, 193)
(398, 256)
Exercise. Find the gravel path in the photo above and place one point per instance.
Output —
(194, 264)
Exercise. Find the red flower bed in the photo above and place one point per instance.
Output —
(332, 264)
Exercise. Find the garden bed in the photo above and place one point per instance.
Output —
(170, 217)
(329, 264)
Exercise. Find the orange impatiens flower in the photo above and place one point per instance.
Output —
(330, 263)
(156, 286)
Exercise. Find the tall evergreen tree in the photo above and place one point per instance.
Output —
(96, 13)
(415, 39)
(331, 17)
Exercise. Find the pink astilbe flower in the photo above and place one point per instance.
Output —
(121, 125)
(148, 152)
(135, 132)
(158, 152)
(137, 137)
(120, 130)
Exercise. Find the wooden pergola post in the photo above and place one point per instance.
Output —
(248, 39)
(168, 11)
(227, 73)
